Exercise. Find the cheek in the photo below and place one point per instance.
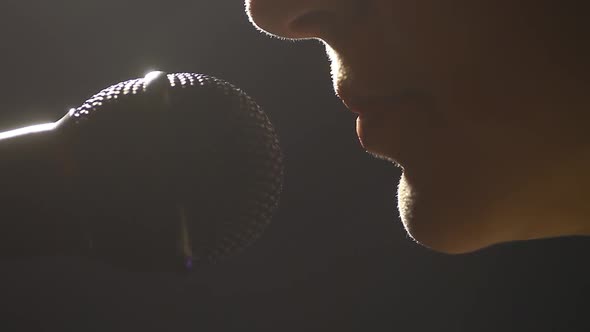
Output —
(499, 126)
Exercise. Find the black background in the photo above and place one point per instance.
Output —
(336, 256)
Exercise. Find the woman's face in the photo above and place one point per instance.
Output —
(482, 103)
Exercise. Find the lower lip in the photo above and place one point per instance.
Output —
(366, 123)
(388, 128)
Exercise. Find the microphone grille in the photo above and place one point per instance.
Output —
(175, 168)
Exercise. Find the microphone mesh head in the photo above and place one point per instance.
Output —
(174, 169)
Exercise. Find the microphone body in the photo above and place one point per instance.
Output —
(157, 173)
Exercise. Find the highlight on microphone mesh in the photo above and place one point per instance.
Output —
(173, 170)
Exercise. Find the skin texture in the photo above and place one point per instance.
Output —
(491, 129)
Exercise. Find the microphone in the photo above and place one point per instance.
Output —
(159, 173)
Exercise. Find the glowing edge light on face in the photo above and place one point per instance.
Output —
(35, 128)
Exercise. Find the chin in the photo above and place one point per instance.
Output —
(441, 204)
(442, 220)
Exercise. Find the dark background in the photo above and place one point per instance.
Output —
(336, 256)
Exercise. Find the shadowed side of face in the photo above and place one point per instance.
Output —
(483, 104)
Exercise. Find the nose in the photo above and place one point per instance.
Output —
(304, 19)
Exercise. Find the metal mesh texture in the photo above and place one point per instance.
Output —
(176, 171)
